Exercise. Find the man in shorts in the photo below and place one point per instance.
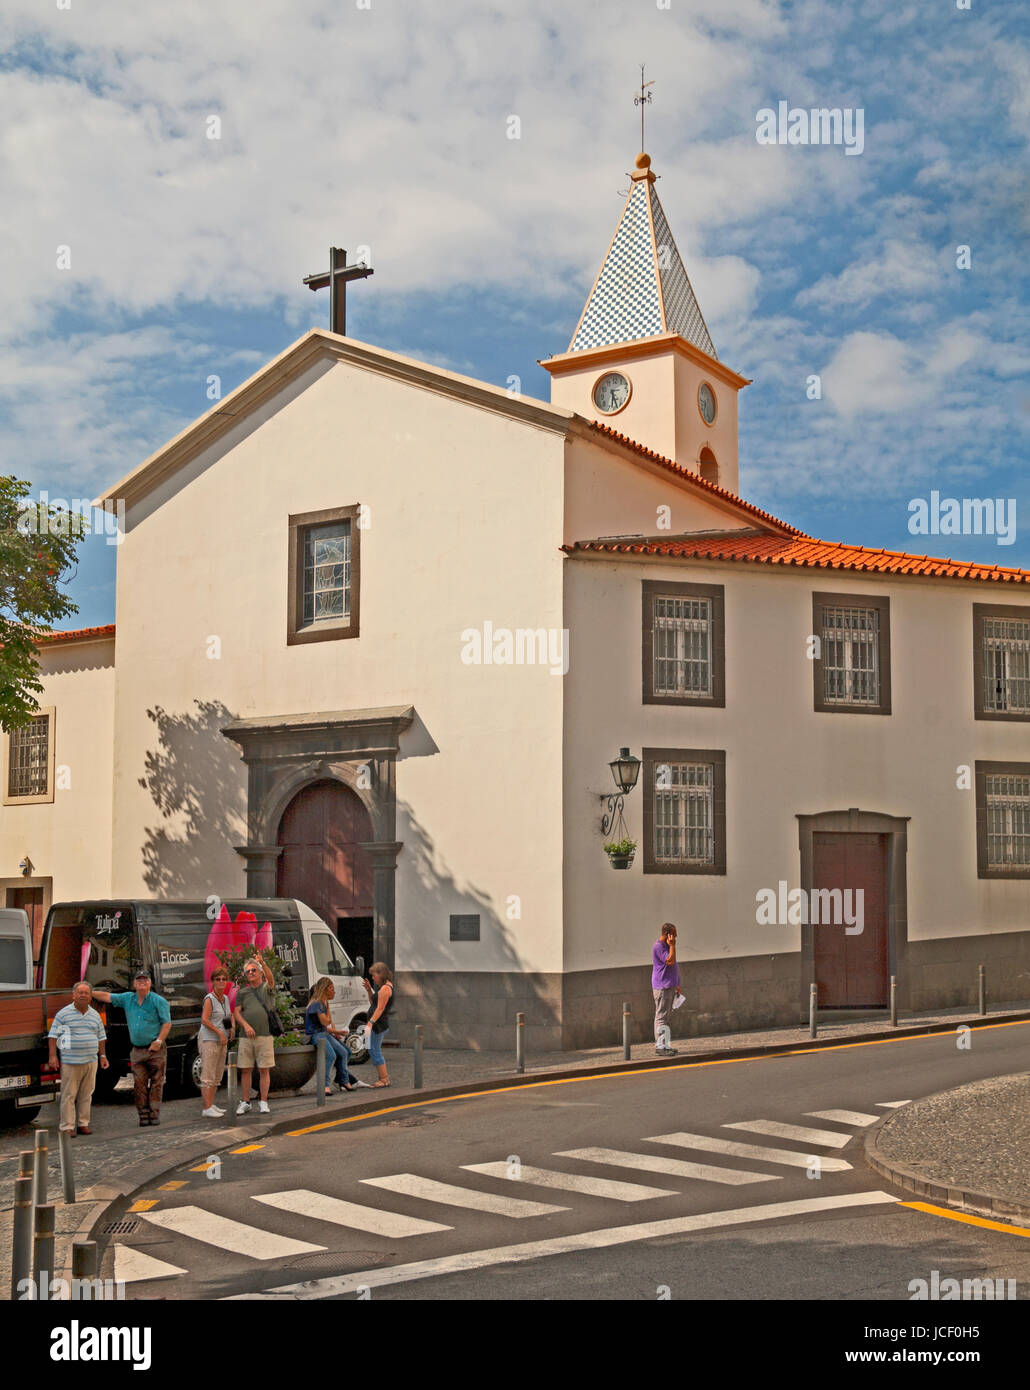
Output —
(255, 1049)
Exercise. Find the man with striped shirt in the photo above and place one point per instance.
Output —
(77, 1032)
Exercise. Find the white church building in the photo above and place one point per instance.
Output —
(382, 628)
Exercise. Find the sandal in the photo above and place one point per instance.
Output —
(328, 1090)
(382, 1083)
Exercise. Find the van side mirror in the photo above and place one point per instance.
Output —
(359, 967)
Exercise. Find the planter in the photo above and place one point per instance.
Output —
(620, 861)
(294, 1067)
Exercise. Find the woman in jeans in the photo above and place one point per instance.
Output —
(216, 1033)
(380, 996)
(318, 1021)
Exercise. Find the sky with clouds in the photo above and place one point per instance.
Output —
(385, 123)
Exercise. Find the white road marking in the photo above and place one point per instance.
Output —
(650, 1163)
(131, 1265)
(892, 1104)
(844, 1117)
(323, 1208)
(830, 1138)
(233, 1237)
(573, 1182)
(789, 1158)
(412, 1186)
(560, 1245)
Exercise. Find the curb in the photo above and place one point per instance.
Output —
(990, 1204)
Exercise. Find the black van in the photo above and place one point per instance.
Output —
(105, 943)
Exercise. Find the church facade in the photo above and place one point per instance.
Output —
(382, 628)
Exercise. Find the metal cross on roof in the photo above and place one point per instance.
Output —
(642, 98)
(336, 278)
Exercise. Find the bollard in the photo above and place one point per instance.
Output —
(813, 1004)
(982, 989)
(64, 1142)
(626, 1056)
(21, 1253)
(84, 1266)
(230, 1090)
(39, 1169)
(894, 1001)
(320, 1076)
(26, 1163)
(417, 1066)
(520, 1042)
(43, 1254)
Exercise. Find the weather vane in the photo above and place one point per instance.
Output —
(642, 99)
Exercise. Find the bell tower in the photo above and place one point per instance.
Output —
(641, 360)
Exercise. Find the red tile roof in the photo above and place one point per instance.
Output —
(81, 634)
(701, 483)
(802, 552)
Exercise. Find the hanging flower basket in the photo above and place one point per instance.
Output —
(620, 853)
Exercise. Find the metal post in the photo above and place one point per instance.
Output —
(230, 1090)
(43, 1258)
(39, 1167)
(64, 1141)
(417, 1065)
(813, 1004)
(21, 1253)
(84, 1266)
(320, 1068)
(520, 1042)
(626, 1056)
(894, 1001)
(982, 988)
(26, 1163)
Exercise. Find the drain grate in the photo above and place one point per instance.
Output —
(126, 1227)
(347, 1262)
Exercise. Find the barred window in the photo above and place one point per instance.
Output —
(850, 656)
(327, 572)
(684, 813)
(1006, 665)
(1008, 822)
(28, 759)
(682, 645)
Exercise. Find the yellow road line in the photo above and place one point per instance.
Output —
(970, 1220)
(171, 1186)
(143, 1206)
(247, 1149)
(644, 1071)
(202, 1167)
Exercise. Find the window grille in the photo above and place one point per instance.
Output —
(682, 645)
(29, 758)
(684, 819)
(1008, 822)
(1006, 665)
(851, 656)
(327, 572)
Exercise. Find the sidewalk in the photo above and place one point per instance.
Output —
(122, 1162)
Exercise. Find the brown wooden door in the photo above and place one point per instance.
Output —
(322, 862)
(852, 971)
(31, 899)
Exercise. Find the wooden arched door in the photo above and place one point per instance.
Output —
(323, 864)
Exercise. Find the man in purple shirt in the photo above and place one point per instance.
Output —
(665, 985)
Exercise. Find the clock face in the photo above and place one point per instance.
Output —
(611, 393)
(706, 403)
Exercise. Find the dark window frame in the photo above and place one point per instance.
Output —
(820, 600)
(981, 771)
(652, 588)
(1016, 612)
(45, 797)
(655, 757)
(329, 630)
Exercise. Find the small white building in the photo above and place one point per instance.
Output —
(381, 628)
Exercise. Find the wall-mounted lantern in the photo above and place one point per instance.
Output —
(625, 771)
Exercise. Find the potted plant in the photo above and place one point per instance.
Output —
(620, 853)
(294, 1056)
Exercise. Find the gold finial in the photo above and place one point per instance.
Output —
(642, 99)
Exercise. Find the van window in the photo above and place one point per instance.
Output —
(179, 965)
(326, 951)
(90, 943)
(12, 960)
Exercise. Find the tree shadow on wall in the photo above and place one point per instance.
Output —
(197, 782)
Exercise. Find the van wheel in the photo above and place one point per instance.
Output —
(355, 1042)
(191, 1070)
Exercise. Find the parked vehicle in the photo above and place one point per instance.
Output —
(107, 942)
(26, 1082)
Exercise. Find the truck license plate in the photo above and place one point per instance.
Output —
(13, 1083)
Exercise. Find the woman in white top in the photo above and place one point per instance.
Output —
(216, 1033)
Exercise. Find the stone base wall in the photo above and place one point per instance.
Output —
(942, 973)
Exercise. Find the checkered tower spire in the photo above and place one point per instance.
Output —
(642, 288)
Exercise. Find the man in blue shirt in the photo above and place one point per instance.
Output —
(150, 1021)
(78, 1031)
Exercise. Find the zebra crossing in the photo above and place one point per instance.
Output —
(195, 1226)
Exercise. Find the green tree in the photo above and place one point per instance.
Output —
(38, 546)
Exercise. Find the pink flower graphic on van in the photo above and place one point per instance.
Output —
(229, 935)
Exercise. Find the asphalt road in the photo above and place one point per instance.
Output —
(738, 1180)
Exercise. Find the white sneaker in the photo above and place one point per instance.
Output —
(212, 1113)
(243, 1108)
(262, 1107)
(367, 1085)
